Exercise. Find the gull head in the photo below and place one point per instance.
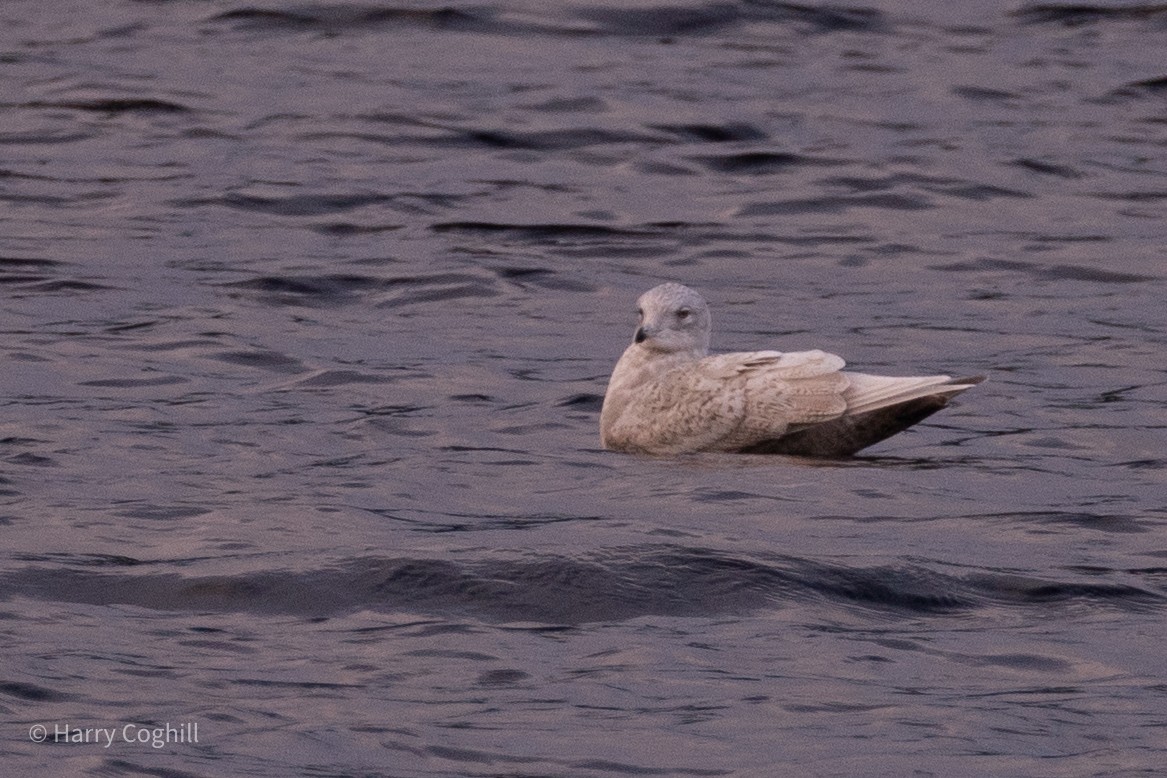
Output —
(673, 319)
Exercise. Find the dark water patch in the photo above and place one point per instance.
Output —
(1137, 196)
(1143, 464)
(164, 512)
(717, 496)
(52, 200)
(502, 678)
(22, 264)
(1033, 591)
(261, 359)
(1102, 522)
(666, 240)
(335, 18)
(25, 458)
(394, 410)
(663, 21)
(401, 421)
(29, 459)
(135, 383)
(124, 767)
(819, 18)
(342, 229)
(979, 94)
(446, 523)
(15, 440)
(220, 646)
(834, 707)
(952, 187)
(667, 22)
(295, 205)
(81, 560)
(1017, 661)
(262, 18)
(339, 289)
(979, 192)
(1023, 662)
(624, 768)
(761, 162)
(571, 105)
(867, 184)
(65, 286)
(1118, 395)
(546, 140)
(583, 401)
(475, 398)
(131, 326)
(905, 590)
(34, 274)
(658, 168)
(1060, 239)
(475, 757)
(714, 133)
(327, 289)
(1044, 272)
(447, 653)
(1077, 14)
(116, 105)
(1047, 168)
(30, 692)
(608, 240)
(541, 233)
(306, 685)
(1151, 87)
(457, 449)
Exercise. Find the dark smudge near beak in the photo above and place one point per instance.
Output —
(641, 335)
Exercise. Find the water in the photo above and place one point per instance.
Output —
(307, 314)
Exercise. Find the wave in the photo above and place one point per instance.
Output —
(613, 585)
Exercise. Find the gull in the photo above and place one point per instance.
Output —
(668, 395)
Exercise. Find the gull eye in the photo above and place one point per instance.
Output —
(684, 313)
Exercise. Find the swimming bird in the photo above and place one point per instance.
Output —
(667, 395)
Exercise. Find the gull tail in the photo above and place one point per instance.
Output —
(877, 408)
(872, 392)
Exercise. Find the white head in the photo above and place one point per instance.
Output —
(673, 319)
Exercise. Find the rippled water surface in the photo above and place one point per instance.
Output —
(307, 314)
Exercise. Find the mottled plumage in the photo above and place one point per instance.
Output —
(667, 396)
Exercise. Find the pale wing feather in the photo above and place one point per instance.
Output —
(787, 365)
(779, 390)
(872, 392)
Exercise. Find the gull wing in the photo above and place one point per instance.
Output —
(779, 391)
(878, 407)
